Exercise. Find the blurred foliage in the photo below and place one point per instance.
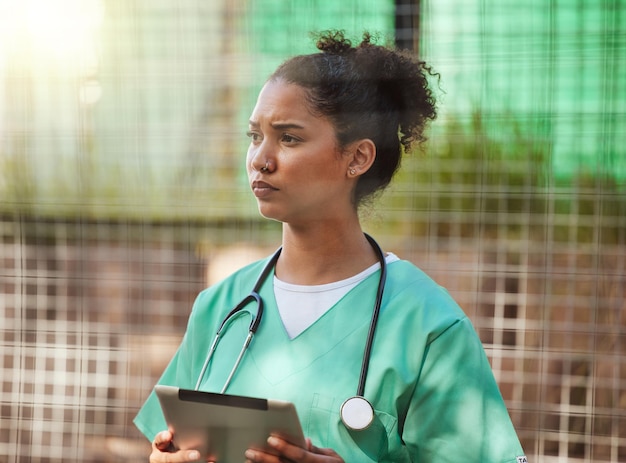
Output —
(487, 178)
(17, 185)
(476, 178)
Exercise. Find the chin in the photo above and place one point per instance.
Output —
(268, 213)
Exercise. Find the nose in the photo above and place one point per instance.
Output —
(260, 160)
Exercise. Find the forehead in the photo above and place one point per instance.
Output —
(280, 100)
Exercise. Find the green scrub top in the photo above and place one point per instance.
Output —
(429, 380)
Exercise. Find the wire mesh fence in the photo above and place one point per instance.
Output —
(123, 195)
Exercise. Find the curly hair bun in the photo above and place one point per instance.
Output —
(333, 42)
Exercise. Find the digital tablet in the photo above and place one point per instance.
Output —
(224, 426)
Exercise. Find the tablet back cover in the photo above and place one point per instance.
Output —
(223, 426)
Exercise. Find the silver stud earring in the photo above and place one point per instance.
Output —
(352, 171)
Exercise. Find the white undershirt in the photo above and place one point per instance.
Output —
(300, 306)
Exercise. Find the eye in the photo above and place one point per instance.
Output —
(254, 137)
(289, 139)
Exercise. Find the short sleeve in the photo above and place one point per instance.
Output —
(457, 413)
(149, 419)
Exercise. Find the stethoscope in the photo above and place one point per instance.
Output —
(357, 413)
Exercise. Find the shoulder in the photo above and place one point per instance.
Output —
(404, 279)
(414, 297)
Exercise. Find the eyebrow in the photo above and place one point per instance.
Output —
(279, 125)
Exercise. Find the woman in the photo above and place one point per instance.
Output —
(327, 132)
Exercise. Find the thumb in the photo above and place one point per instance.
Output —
(163, 440)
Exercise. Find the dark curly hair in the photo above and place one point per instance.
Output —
(366, 91)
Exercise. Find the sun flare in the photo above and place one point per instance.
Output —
(50, 33)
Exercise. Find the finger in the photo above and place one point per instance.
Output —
(287, 451)
(324, 451)
(163, 450)
(257, 456)
(163, 441)
(320, 450)
(182, 456)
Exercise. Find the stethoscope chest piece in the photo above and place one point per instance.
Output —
(357, 413)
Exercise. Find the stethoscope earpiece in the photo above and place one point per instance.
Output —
(357, 413)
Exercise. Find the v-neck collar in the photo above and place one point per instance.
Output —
(277, 356)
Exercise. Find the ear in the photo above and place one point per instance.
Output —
(363, 155)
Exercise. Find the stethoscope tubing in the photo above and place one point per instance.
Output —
(256, 320)
(254, 296)
(374, 322)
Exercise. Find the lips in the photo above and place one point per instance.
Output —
(262, 189)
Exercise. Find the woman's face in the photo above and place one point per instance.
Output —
(307, 173)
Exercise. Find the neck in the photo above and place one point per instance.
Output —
(323, 253)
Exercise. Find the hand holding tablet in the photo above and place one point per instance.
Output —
(225, 426)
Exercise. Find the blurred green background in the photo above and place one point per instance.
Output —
(138, 109)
